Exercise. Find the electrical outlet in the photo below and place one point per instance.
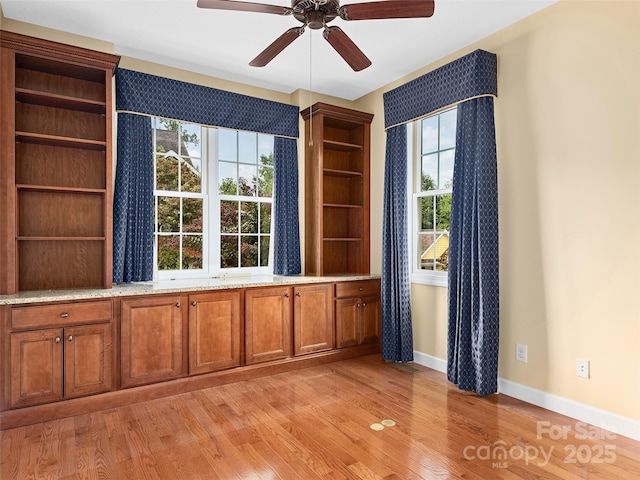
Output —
(521, 353)
(582, 367)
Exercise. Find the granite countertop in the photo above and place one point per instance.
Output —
(172, 286)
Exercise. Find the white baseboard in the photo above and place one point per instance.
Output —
(617, 424)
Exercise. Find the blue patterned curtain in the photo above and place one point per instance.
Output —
(133, 201)
(286, 242)
(473, 252)
(158, 96)
(397, 333)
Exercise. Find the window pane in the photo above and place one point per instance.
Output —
(228, 175)
(249, 217)
(191, 175)
(228, 251)
(443, 212)
(425, 213)
(429, 172)
(265, 149)
(192, 214)
(168, 252)
(247, 147)
(166, 173)
(191, 252)
(228, 216)
(248, 175)
(446, 169)
(167, 136)
(448, 129)
(426, 251)
(430, 134)
(265, 181)
(265, 218)
(168, 214)
(249, 251)
(227, 145)
(264, 250)
(190, 145)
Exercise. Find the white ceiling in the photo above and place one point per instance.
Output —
(221, 43)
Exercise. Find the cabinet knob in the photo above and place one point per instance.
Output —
(361, 288)
(194, 303)
(358, 305)
(178, 305)
(64, 315)
(70, 338)
(57, 339)
(286, 295)
(298, 294)
(364, 305)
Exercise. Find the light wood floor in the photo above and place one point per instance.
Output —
(316, 423)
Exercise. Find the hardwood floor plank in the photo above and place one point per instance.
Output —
(316, 424)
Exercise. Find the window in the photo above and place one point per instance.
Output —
(433, 150)
(213, 195)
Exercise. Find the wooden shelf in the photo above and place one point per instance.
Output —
(337, 192)
(49, 188)
(341, 146)
(62, 239)
(35, 97)
(340, 205)
(56, 213)
(341, 173)
(57, 141)
(342, 239)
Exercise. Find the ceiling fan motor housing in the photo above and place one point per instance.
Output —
(315, 13)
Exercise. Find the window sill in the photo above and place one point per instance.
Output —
(435, 279)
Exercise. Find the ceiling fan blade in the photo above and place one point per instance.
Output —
(387, 9)
(346, 48)
(244, 6)
(279, 44)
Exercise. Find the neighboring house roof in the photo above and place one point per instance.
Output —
(169, 140)
(440, 246)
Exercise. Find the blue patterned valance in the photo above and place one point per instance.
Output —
(163, 97)
(471, 76)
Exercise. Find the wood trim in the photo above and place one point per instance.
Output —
(51, 411)
(59, 51)
(334, 111)
(8, 208)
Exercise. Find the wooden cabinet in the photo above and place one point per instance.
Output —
(337, 176)
(152, 347)
(267, 324)
(357, 313)
(59, 362)
(55, 165)
(214, 331)
(313, 318)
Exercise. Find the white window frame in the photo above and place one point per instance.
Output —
(211, 220)
(414, 159)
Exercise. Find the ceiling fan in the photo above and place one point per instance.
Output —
(316, 14)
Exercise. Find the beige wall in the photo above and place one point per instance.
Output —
(568, 131)
(568, 140)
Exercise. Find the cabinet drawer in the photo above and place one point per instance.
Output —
(60, 315)
(358, 288)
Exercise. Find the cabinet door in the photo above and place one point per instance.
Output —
(36, 367)
(267, 324)
(151, 339)
(347, 329)
(313, 319)
(88, 360)
(370, 320)
(214, 331)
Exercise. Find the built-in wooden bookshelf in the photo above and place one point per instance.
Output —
(336, 190)
(55, 161)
